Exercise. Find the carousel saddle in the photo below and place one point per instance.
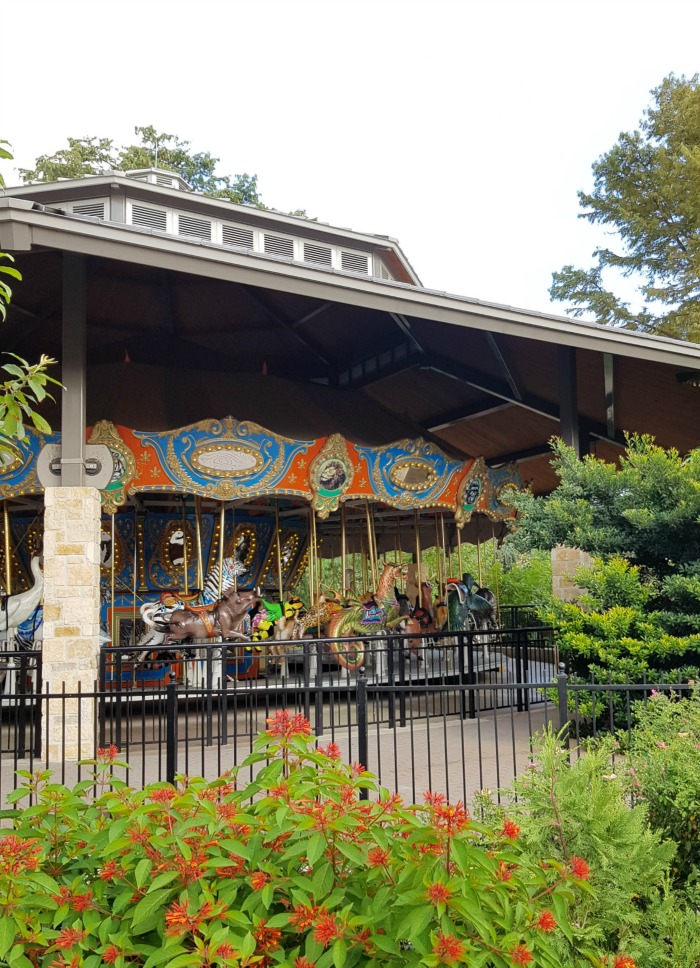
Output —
(372, 613)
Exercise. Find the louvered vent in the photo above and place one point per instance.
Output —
(238, 236)
(277, 245)
(198, 228)
(153, 218)
(166, 180)
(320, 254)
(353, 262)
(95, 209)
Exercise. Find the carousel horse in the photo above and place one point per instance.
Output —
(17, 610)
(381, 614)
(223, 618)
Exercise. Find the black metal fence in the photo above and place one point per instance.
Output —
(453, 713)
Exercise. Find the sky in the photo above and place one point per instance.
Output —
(461, 128)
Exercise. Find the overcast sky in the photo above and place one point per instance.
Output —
(461, 128)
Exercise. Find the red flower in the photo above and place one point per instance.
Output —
(258, 880)
(303, 963)
(163, 795)
(434, 799)
(69, 938)
(328, 928)
(448, 948)
(358, 769)
(284, 725)
(579, 868)
(179, 919)
(110, 871)
(110, 954)
(109, 754)
(267, 939)
(452, 818)
(377, 857)
(438, 893)
(332, 751)
(226, 950)
(623, 961)
(510, 830)
(546, 921)
(504, 872)
(302, 917)
(520, 955)
(17, 855)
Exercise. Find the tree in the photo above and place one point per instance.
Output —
(91, 156)
(647, 190)
(641, 519)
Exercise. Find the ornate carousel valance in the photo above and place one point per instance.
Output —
(231, 459)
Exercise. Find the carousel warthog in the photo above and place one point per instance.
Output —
(223, 618)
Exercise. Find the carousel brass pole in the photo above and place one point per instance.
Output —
(419, 580)
(114, 561)
(198, 535)
(279, 550)
(478, 549)
(8, 561)
(459, 551)
(370, 545)
(317, 569)
(343, 550)
(185, 569)
(222, 522)
(363, 566)
(133, 590)
(446, 560)
(312, 553)
(495, 571)
(438, 557)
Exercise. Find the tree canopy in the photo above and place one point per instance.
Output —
(647, 191)
(91, 156)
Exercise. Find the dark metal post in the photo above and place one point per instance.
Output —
(390, 674)
(518, 669)
(209, 693)
(471, 674)
(170, 732)
(318, 691)
(38, 690)
(22, 697)
(362, 724)
(562, 680)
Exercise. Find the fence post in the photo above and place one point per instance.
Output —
(562, 680)
(170, 731)
(362, 725)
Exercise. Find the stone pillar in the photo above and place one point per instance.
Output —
(71, 616)
(565, 563)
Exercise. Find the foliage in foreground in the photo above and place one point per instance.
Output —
(578, 802)
(665, 757)
(294, 868)
(26, 386)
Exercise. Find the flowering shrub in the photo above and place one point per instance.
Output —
(291, 868)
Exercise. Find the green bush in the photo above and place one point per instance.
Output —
(578, 802)
(665, 757)
(293, 868)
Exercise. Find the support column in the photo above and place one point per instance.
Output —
(71, 615)
(568, 399)
(565, 563)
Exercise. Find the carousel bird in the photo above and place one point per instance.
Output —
(16, 609)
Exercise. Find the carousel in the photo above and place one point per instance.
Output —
(224, 531)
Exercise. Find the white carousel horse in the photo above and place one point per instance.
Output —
(18, 608)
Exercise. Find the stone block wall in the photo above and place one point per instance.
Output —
(71, 616)
(565, 563)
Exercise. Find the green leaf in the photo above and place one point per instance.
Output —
(8, 932)
(316, 848)
(41, 424)
(145, 909)
(163, 954)
(143, 869)
(340, 953)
